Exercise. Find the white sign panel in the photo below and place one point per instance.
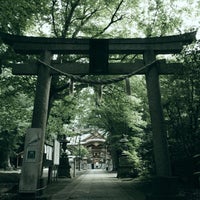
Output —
(31, 162)
(48, 150)
(56, 152)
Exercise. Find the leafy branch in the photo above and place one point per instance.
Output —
(83, 21)
(53, 17)
(68, 17)
(113, 19)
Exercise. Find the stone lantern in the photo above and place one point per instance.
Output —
(64, 167)
(125, 169)
(124, 143)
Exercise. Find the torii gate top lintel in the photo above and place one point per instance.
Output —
(36, 45)
(98, 51)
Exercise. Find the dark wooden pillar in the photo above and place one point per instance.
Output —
(40, 112)
(42, 94)
(35, 137)
(160, 145)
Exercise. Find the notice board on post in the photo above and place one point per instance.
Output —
(31, 161)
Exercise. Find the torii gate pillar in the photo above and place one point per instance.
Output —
(161, 154)
(35, 137)
(163, 186)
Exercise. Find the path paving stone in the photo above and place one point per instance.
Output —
(95, 185)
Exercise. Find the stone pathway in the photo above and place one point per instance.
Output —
(94, 185)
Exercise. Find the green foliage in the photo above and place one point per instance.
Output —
(134, 156)
(15, 114)
(117, 114)
(158, 18)
(16, 104)
(17, 16)
(181, 104)
(79, 18)
(62, 112)
(82, 152)
(135, 161)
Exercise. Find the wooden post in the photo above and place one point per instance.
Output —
(160, 146)
(39, 118)
(42, 94)
(34, 144)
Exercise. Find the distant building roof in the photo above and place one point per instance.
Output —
(87, 138)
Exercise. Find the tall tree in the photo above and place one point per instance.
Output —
(16, 110)
(181, 103)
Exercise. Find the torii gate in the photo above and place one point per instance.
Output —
(98, 51)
